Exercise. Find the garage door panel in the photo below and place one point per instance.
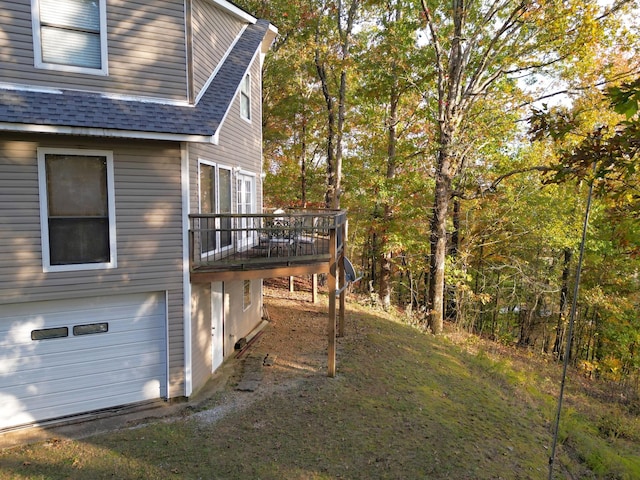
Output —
(84, 305)
(51, 352)
(87, 343)
(19, 334)
(121, 362)
(57, 365)
(93, 369)
(45, 349)
(120, 395)
(89, 388)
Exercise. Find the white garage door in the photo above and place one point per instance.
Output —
(65, 357)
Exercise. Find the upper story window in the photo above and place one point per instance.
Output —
(77, 209)
(245, 97)
(70, 35)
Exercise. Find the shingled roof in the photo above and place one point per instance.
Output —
(95, 114)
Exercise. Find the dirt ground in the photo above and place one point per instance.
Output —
(297, 332)
(291, 349)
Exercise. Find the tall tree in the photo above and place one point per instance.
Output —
(293, 106)
(392, 71)
(332, 61)
(477, 46)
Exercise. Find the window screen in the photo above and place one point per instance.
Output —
(77, 201)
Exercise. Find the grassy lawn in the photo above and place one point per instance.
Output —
(404, 405)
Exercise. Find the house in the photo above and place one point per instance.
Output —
(117, 121)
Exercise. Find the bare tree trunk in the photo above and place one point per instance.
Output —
(439, 243)
(451, 296)
(335, 126)
(450, 77)
(560, 326)
(303, 163)
(331, 121)
(384, 290)
(388, 207)
(460, 83)
(494, 317)
(478, 323)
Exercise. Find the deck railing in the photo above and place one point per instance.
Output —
(252, 241)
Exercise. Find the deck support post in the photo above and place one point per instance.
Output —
(342, 282)
(331, 351)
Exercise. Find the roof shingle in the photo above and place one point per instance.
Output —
(95, 111)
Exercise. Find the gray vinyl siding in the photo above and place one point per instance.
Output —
(238, 322)
(201, 334)
(240, 142)
(246, 136)
(214, 31)
(146, 52)
(240, 145)
(148, 226)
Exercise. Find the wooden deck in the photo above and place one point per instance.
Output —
(235, 247)
(227, 247)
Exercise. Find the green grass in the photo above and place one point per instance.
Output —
(403, 405)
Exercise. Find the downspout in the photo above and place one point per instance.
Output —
(186, 281)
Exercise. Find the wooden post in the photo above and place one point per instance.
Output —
(331, 351)
(343, 280)
(314, 288)
(343, 294)
(291, 284)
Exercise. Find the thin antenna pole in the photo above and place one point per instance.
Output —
(572, 316)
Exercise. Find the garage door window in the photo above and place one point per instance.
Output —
(49, 333)
(77, 209)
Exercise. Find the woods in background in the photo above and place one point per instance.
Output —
(461, 138)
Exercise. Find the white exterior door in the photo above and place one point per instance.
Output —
(217, 325)
(215, 197)
(245, 186)
(64, 357)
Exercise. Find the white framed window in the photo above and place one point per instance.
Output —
(70, 35)
(246, 295)
(245, 203)
(245, 97)
(245, 192)
(77, 209)
(215, 197)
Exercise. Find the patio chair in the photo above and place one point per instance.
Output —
(278, 235)
(306, 236)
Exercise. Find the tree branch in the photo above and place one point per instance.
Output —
(493, 185)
